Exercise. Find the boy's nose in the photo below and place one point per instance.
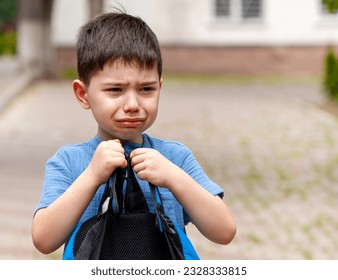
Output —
(131, 102)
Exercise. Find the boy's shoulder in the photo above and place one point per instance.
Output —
(78, 149)
(163, 143)
(170, 149)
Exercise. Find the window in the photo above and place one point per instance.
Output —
(222, 8)
(238, 10)
(251, 8)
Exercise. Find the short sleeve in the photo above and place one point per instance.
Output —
(194, 169)
(58, 177)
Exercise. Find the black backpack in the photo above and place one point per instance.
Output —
(125, 229)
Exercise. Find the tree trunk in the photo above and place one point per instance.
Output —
(35, 49)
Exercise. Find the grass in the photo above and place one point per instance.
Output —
(253, 238)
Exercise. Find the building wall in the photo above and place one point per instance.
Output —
(234, 61)
(288, 60)
(291, 37)
(67, 17)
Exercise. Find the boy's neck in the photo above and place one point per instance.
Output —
(140, 139)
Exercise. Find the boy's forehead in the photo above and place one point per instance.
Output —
(118, 69)
(119, 64)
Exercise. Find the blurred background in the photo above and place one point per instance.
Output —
(250, 86)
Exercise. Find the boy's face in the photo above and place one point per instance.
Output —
(123, 99)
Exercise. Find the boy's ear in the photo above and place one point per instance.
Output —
(80, 93)
(161, 82)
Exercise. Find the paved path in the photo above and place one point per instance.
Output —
(271, 148)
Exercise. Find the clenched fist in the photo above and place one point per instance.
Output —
(108, 156)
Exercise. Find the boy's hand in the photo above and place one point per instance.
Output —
(108, 156)
(152, 166)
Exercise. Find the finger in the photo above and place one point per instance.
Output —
(138, 164)
(117, 159)
(114, 140)
(142, 174)
(137, 156)
(137, 160)
(115, 145)
(122, 162)
(138, 151)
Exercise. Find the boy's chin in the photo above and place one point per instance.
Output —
(124, 137)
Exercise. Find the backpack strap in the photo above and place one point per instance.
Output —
(134, 199)
(90, 249)
(165, 225)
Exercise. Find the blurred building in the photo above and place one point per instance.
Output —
(218, 36)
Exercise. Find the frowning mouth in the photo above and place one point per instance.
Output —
(130, 122)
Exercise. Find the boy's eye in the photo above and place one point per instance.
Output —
(114, 89)
(147, 89)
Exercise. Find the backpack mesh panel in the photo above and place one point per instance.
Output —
(132, 236)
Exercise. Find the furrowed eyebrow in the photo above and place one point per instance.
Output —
(115, 84)
(147, 83)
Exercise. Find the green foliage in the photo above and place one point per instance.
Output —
(7, 27)
(8, 43)
(69, 74)
(331, 75)
(331, 5)
(7, 12)
(331, 62)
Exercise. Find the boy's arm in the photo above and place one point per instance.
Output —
(208, 212)
(52, 225)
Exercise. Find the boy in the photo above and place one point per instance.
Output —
(120, 68)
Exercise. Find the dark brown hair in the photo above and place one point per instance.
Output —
(113, 36)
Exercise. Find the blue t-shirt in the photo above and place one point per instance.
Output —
(70, 161)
